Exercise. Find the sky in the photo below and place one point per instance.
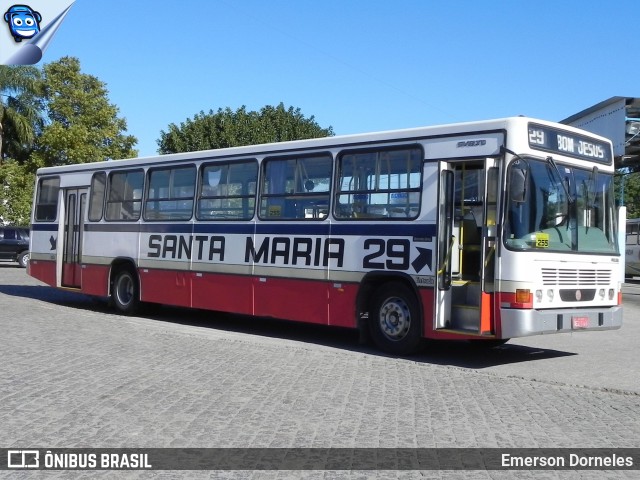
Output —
(358, 66)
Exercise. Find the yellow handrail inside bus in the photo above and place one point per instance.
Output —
(448, 257)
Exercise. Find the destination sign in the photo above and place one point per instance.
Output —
(567, 143)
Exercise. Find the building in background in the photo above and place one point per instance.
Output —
(618, 119)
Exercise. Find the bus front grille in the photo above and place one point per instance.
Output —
(570, 276)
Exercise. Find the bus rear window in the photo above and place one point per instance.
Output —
(47, 199)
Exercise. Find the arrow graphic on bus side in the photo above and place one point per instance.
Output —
(425, 256)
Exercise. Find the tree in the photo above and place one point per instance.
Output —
(227, 128)
(54, 117)
(82, 126)
(17, 182)
(628, 183)
(20, 111)
(20, 121)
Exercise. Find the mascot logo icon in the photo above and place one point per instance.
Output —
(23, 22)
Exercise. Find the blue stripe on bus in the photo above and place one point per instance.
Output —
(380, 229)
(44, 227)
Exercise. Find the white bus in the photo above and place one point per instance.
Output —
(476, 231)
(632, 246)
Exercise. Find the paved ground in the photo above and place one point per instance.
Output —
(73, 374)
(607, 360)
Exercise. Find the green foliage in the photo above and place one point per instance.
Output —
(631, 192)
(228, 128)
(18, 182)
(56, 116)
(20, 111)
(82, 125)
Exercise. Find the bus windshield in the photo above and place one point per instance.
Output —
(557, 207)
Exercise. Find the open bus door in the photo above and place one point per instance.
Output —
(75, 201)
(489, 247)
(466, 259)
(446, 245)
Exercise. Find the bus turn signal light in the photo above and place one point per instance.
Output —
(523, 296)
(523, 299)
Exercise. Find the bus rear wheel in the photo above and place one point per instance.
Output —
(125, 292)
(395, 319)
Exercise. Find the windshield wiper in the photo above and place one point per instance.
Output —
(552, 162)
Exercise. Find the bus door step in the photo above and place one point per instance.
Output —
(465, 317)
(465, 292)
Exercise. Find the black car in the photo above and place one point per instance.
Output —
(14, 245)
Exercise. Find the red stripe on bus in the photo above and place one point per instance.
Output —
(43, 270)
(95, 280)
(308, 301)
(509, 300)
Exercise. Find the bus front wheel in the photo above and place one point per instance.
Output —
(124, 292)
(395, 319)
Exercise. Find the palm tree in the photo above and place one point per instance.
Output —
(20, 112)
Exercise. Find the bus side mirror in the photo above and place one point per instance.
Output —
(518, 185)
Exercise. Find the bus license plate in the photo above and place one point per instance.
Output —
(580, 322)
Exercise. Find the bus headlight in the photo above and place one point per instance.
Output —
(538, 295)
(550, 295)
(612, 292)
(601, 293)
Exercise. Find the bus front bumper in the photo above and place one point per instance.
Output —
(522, 323)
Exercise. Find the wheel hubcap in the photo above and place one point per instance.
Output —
(124, 290)
(395, 318)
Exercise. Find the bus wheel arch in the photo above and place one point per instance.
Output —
(389, 308)
(125, 287)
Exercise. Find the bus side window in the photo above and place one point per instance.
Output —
(125, 195)
(47, 199)
(296, 188)
(379, 183)
(96, 199)
(228, 191)
(170, 193)
(632, 234)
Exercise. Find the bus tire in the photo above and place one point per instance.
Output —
(125, 292)
(395, 322)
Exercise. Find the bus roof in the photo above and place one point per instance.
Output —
(362, 139)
